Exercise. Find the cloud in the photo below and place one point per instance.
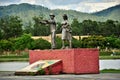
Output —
(28, 1)
(94, 6)
(89, 6)
(8, 2)
(79, 5)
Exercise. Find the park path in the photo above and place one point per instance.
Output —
(101, 76)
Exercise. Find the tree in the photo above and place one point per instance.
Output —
(76, 27)
(109, 28)
(40, 29)
(11, 26)
(89, 27)
(117, 29)
(28, 29)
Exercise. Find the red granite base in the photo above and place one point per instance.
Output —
(77, 61)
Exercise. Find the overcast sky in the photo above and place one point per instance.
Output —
(79, 5)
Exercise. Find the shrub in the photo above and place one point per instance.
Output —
(58, 42)
(94, 42)
(40, 44)
(117, 43)
(5, 45)
(76, 43)
(23, 42)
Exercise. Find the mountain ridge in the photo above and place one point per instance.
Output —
(27, 11)
(106, 11)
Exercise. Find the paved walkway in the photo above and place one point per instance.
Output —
(102, 76)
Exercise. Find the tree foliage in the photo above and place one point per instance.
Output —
(23, 42)
(40, 29)
(90, 27)
(10, 26)
(40, 44)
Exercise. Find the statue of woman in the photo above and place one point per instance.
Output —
(66, 32)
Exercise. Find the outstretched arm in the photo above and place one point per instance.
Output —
(44, 22)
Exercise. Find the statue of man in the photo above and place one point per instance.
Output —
(52, 24)
(66, 32)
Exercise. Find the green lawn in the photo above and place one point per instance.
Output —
(13, 57)
(110, 57)
(25, 57)
(110, 71)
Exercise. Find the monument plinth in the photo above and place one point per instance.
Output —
(77, 61)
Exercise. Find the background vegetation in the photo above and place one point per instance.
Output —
(17, 27)
(13, 37)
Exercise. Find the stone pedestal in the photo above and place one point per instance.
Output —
(77, 61)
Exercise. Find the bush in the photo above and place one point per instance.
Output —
(94, 42)
(76, 43)
(23, 42)
(40, 44)
(105, 53)
(5, 45)
(117, 43)
(58, 42)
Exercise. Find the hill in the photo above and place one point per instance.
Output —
(27, 11)
(110, 13)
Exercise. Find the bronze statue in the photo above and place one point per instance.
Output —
(66, 32)
(52, 24)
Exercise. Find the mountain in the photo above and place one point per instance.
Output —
(110, 13)
(27, 11)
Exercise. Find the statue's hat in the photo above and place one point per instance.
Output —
(64, 15)
(51, 14)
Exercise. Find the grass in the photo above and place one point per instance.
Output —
(109, 57)
(110, 71)
(25, 57)
(108, 53)
(12, 57)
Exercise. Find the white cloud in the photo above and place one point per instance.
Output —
(93, 7)
(79, 5)
(28, 1)
(87, 6)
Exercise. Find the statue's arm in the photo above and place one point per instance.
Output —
(65, 25)
(51, 22)
(44, 22)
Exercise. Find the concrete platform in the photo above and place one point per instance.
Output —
(75, 61)
(101, 76)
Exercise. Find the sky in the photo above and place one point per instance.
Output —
(87, 6)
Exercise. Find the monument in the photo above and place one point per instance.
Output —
(65, 60)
